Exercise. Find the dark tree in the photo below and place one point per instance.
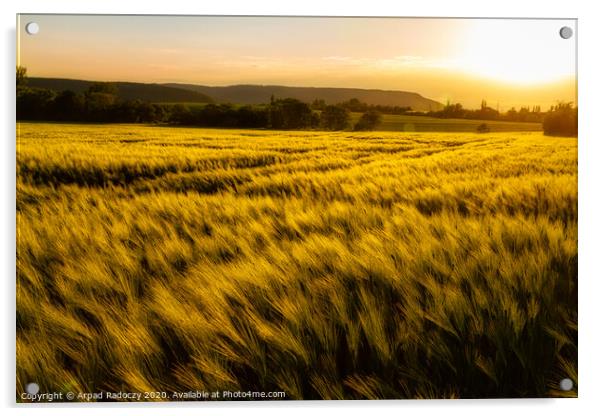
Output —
(355, 105)
(561, 120)
(180, 114)
(289, 113)
(451, 111)
(318, 104)
(21, 76)
(334, 117)
(101, 97)
(315, 119)
(485, 113)
(247, 116)
(99, 105)
(69, 106)
(368, 121)
(34, 103)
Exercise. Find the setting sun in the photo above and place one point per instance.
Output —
(518, 51)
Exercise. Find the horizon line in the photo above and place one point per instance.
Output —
(167, 84)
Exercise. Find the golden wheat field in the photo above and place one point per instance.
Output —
(324, 265)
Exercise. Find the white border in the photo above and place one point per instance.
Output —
(590, 176)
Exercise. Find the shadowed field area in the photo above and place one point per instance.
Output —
(325, 265)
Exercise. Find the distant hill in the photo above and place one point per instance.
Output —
(256, 94)
(155, 93)
(243, 94)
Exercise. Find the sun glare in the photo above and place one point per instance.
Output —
(518, 51)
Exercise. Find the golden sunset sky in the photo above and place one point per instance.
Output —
(507, 62)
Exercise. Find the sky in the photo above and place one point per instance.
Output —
(506, 62)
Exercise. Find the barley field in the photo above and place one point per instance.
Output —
(325, 265)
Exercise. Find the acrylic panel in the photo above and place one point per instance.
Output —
(289, 208)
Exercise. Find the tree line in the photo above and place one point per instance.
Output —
(485, 112)
(559, 120)
(100, 103)
(356, 106)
